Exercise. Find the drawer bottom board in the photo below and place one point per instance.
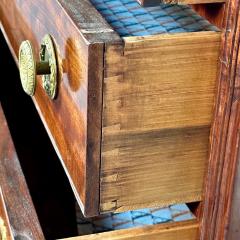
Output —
(187, 230)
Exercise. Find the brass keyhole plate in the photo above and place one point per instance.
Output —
(47, 67)
(47, 54)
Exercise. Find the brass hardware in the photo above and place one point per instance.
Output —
(47, 66)
(3, 230)
(47, 54)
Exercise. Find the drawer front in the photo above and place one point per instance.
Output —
(74, 128)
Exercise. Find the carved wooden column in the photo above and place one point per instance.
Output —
(218, 221)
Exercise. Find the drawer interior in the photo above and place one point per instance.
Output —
(128, 18)
(153, 223)
(132, 219)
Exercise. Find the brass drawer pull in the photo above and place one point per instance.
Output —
(47, 66)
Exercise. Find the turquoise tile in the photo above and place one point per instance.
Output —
(145, 220)
(183, 217)
(162, 212)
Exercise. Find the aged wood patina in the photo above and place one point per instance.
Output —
(125, 116)
(98, 126)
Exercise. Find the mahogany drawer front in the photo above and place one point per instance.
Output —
(132, 116)
(71, 125)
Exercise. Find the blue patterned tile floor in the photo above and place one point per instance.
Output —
(131, 219)
(128, 18)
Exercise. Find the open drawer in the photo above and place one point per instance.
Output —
(172, 222)
(20, 212)
(132, 116)
(187, 230)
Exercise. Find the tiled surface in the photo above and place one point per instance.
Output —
(130, 219)
(128, 18)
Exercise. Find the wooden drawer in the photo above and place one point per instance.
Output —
(20, 218)
(132, 116)
(173, 222)
(188, 230)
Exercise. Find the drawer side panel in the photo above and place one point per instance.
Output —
(156, 119)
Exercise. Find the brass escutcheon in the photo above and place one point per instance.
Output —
(47, 67)
(3, 230)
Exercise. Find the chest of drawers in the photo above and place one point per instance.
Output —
(131, 118)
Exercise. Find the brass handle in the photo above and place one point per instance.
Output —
(46, 66)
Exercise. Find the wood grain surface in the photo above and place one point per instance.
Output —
(214, 13)
(171, 231)
(19, 206)
(224, 150)
(234, 214)
(157, 100)
(153, 169)
(168, 82)
(73, 119)
(156, 119)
